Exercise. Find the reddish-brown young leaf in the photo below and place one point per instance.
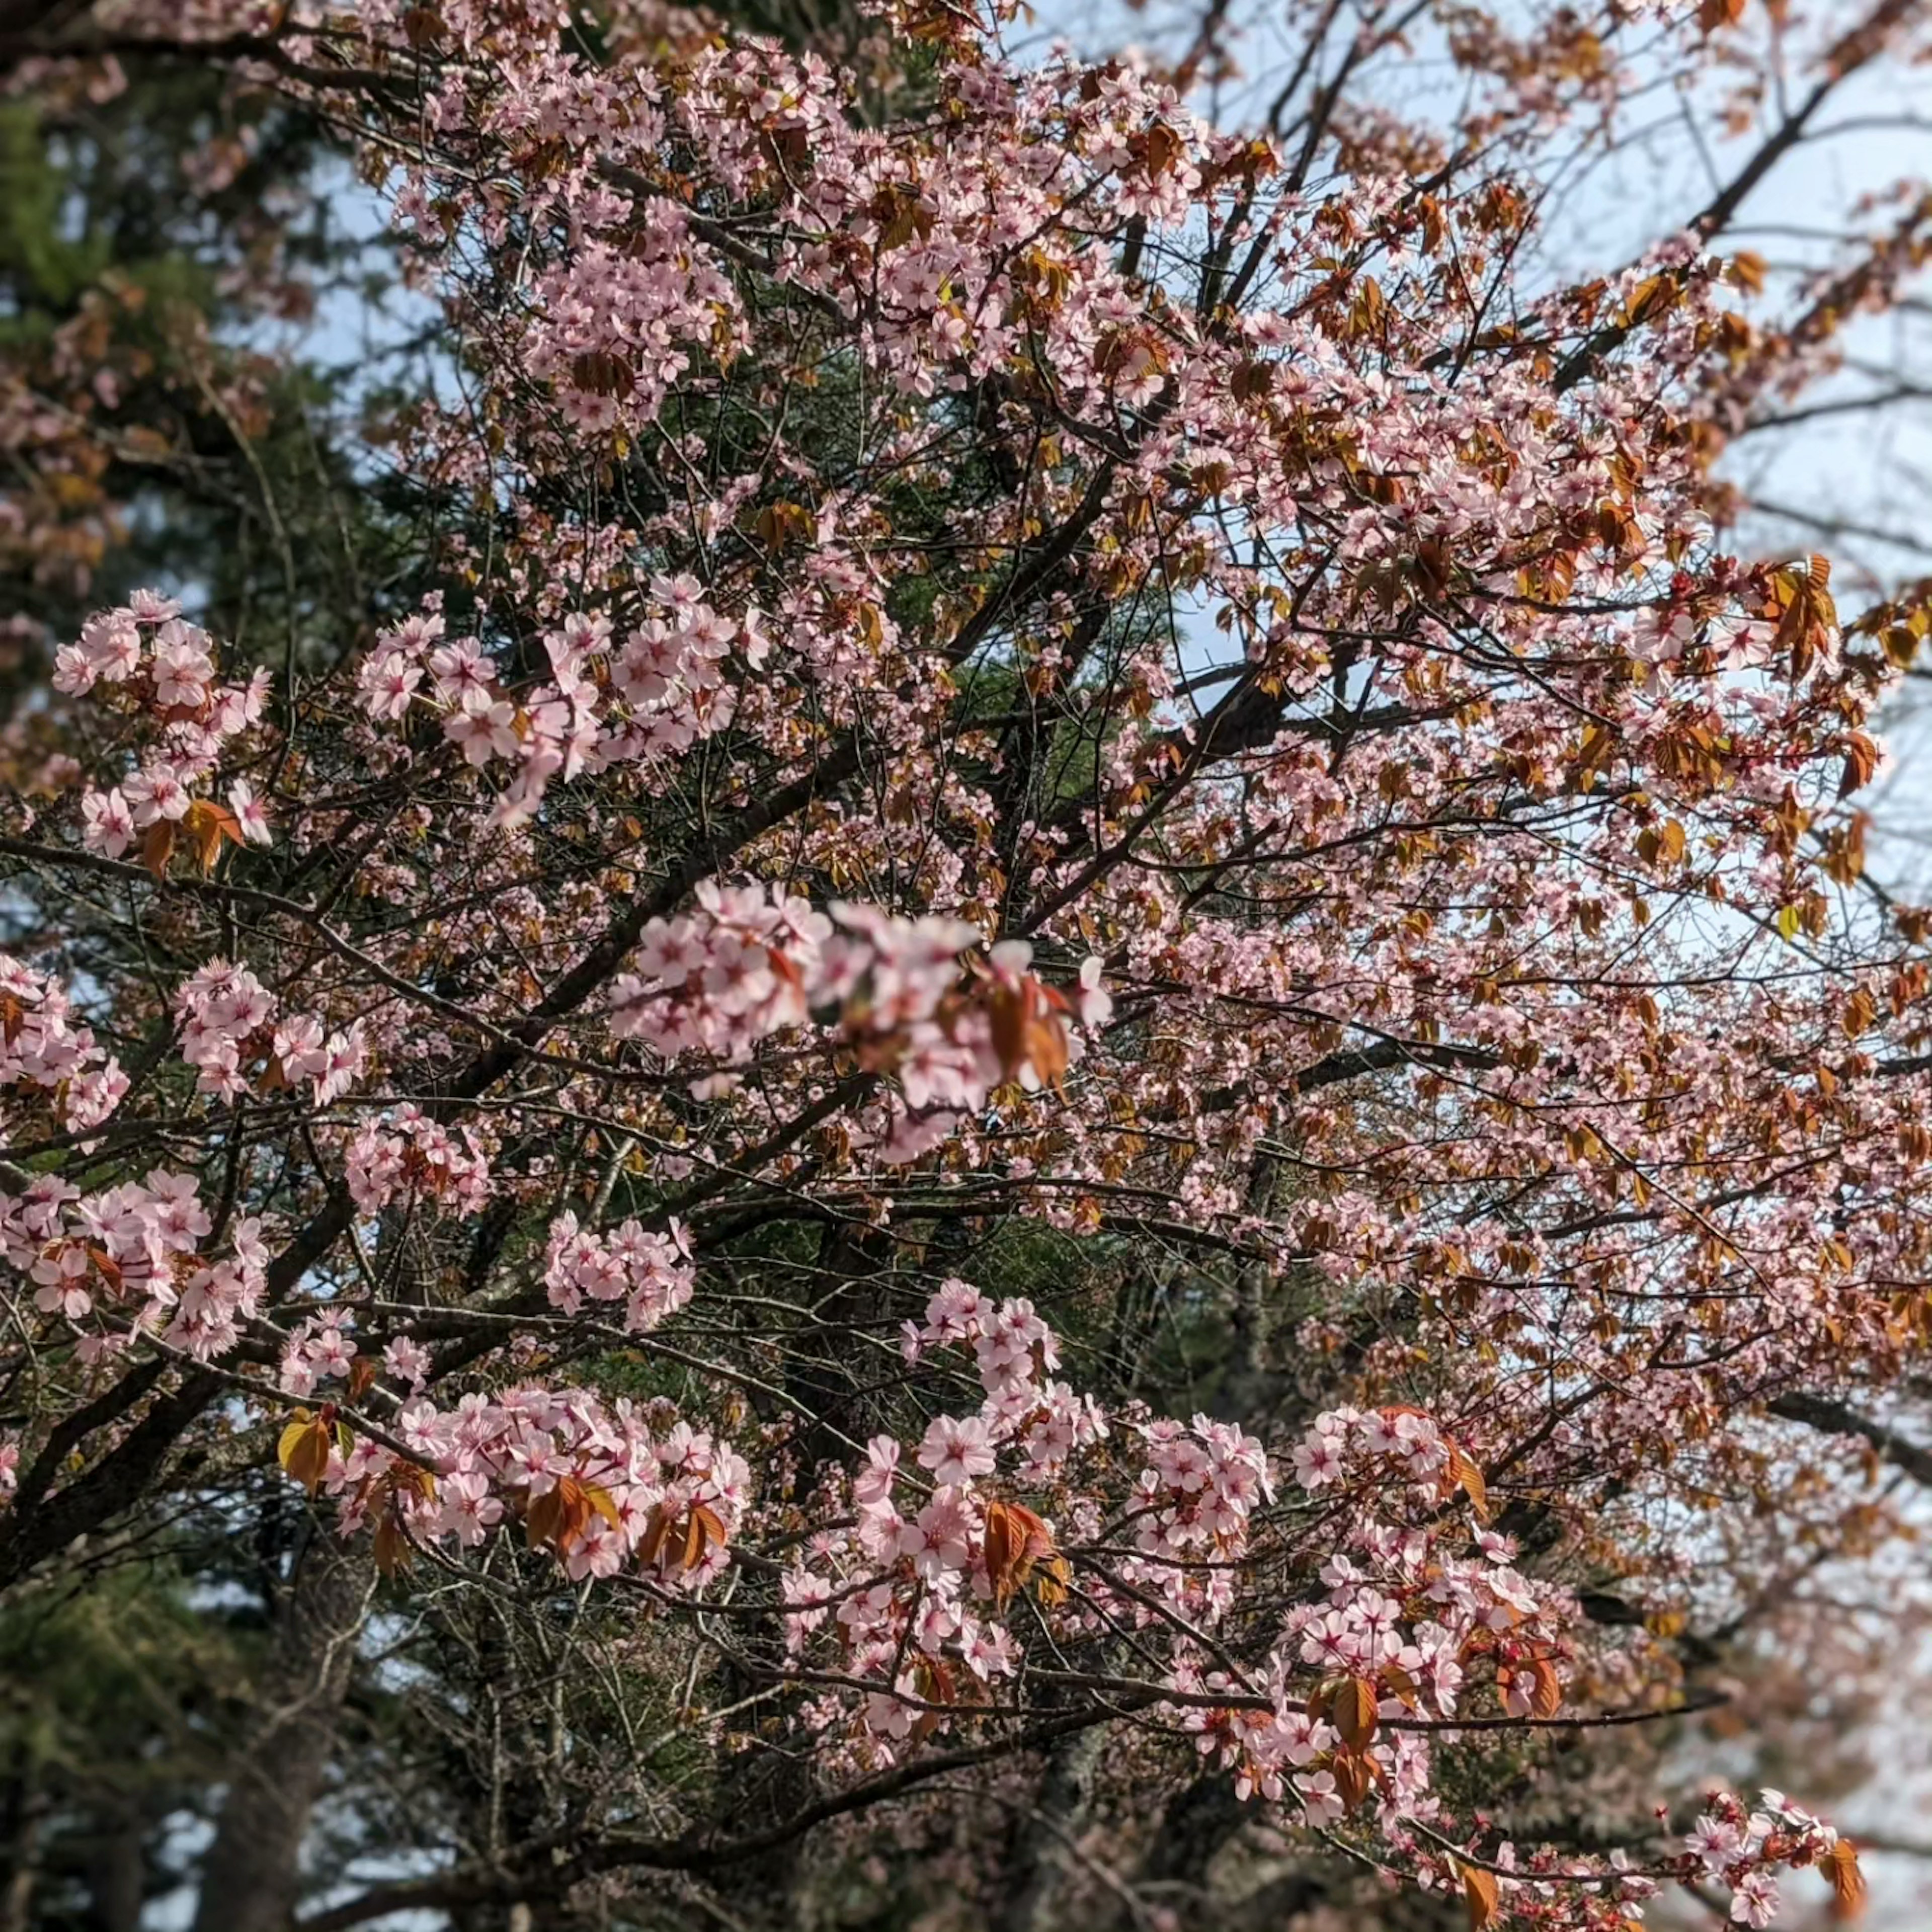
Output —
(1047, 1049)
(1847, 1882)
(704, 1531)
(558, 1518)
(1861, 762)
(1051, 1580)
(543, 1517)
(303, 1448)
(207, 824)
(1480, 1897)
(657, 1530)
(1464, 1474)
(392, 1543)
(602, 374)
(575, 1511)
(1163, 148)
(1355, 1778)
(778, 523)
(1007, 1012)
(1355, 1711)
(158, 848)
(1546, 1694)
(1399, 1682)
(1004, 1545)
(1016, 1539)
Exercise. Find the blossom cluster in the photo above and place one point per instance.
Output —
(920, 1581)
(1415, 1607)
(1340, 1438)
(1026, 1407)
(130, 1258)
(164, 669)
(319, 1348)
(1741, 1848)
(931, 264)
(650, 1273)
(406, 1152)
(605, 1487)
(611, 322)
(45, 1050)
(1567, 720)
(748, 961)
(916, 1593)
(226, 1021)
(606, 702)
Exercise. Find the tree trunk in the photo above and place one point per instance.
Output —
(823, 1380)
(252, 1872)
(21, 1815)
(1195, 1825)
(1041, 1852)
(117, 1869)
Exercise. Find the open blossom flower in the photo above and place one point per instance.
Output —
(74, 674)
(938, 1540)
(235, 707)
(1715, 1841)
(109, 651)
(481, 728)
(1092, 1001)
(387, 684)
(250, 813)
(175, 1210)
(408, 1361)
(345, 1059)
(461, 670)
(62, 1283)
(956, 1449)
(1755, 1902)
(1321, 1801)
(873, 1485)
(1317, 1461)
(470, 1510)
(182, 669)
(107, 823)
(157, 792)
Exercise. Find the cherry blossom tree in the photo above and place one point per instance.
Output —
(1016, 725)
